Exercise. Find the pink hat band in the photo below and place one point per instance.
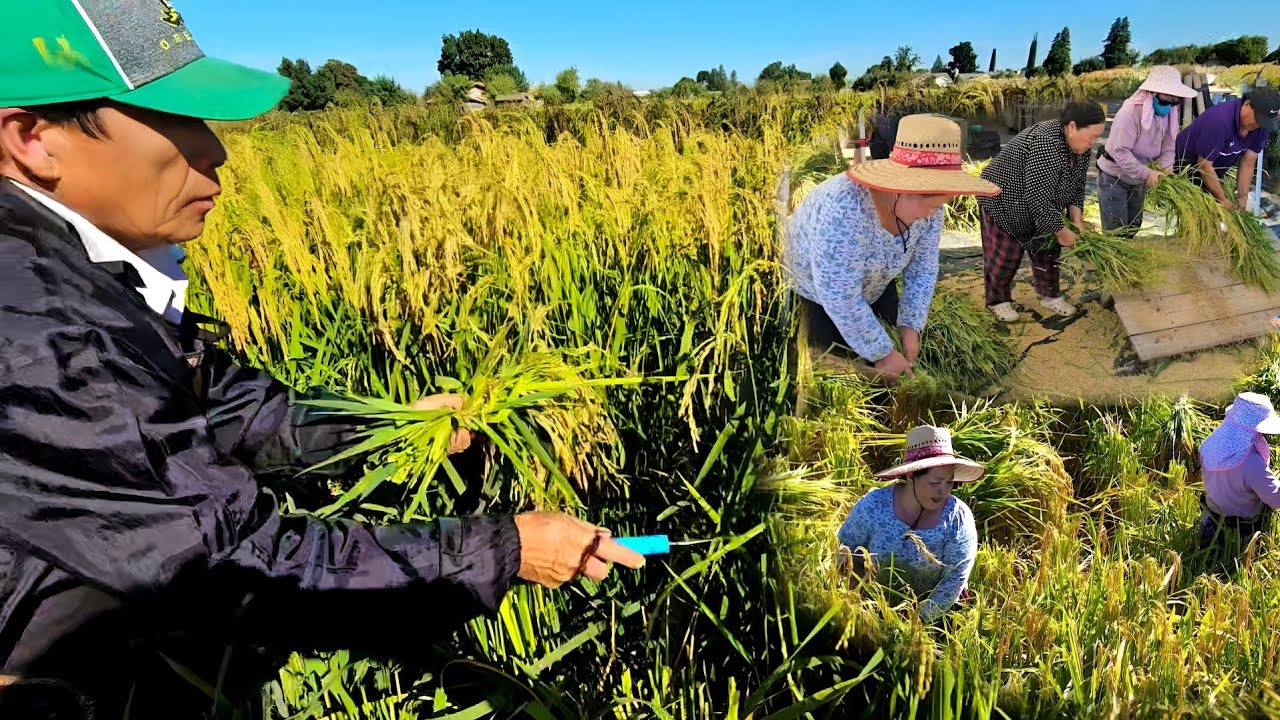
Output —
(932, 159)
(926, 452)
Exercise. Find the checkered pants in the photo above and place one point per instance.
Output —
(1001, 256)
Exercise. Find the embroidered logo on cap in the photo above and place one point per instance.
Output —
(170, 14)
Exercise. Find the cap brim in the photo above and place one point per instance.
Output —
(890, 176)
(211, 89)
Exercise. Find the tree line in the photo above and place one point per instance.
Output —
(472, 57)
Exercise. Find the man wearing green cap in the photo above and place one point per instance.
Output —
(136, 543)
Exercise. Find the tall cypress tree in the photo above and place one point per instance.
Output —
(1031, 57)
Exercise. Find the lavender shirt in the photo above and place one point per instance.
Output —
(1215, 136)
(1132, 146)
(1242, 490)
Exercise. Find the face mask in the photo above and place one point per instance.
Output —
(1161, 109)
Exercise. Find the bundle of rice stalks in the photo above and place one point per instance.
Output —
(1119, 262)
(1196, 214)
(961, 213)
(1165, 431)
(1253, 252)
(1265, 379)
(506, 402)
(962, 347)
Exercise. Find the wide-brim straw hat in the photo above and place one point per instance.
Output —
(1166, 80)
(925, 160)
(1254, 410)
(930, 447)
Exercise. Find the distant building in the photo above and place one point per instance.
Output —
(477, 98)
(523, 99)
(642, 93)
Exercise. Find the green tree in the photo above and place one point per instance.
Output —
(905, 59)
(471, 53)
(1115, 51)
(715, 79)
(550, 94)
(1031, 68)
(787, 77)
(964, 57)
(992, 67)
(1058, 62)
(1088, 65)
(1181, 55)
(568, 84)
(503, 73)
(1244, 50)
(450, 89)
(596, 90)
(937, 65)
(305, 92)
(389, 92)
(687, 87)
(1273, 57)
(838, 75)
(336, 77)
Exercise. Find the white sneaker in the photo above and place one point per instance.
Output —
(1005, 312)
(1058, 305)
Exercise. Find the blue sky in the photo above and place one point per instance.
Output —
(653, 44)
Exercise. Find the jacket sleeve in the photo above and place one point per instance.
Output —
(111, 476)
(266, 425)
(838, 274)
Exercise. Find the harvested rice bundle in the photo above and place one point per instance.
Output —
(1119, 262)
(1253, 252)
(961, 213)
(1198, 217)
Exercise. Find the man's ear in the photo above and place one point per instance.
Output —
(28, 145)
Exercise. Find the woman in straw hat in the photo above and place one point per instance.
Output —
(1041, 173)
(916, 526)
(1145, 130)
(1239, 487)
(857, 232)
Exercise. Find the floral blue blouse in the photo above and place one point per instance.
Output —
(953, 542)
(841, 257)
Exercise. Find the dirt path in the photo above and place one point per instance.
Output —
(1088, 357)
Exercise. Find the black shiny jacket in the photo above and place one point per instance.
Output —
(135, 537)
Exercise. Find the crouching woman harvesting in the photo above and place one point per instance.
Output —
(916, 528)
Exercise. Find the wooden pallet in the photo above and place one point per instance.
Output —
(1202, 305)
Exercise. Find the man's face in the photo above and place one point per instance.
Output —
(149, 181)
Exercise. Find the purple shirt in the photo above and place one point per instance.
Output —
(1215, 136)
(1131, 147)
(1241, 491)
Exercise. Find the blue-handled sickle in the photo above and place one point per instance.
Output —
(654, 544)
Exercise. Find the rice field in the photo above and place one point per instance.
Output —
(604, 289)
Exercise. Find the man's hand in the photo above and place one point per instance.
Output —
(1153, 178)
(1243, 203)
(1066, 238)
(893, 366)
(910, 344)
(1226, 203)
(556, 548)
(460, 440)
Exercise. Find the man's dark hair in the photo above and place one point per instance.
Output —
(1083, 114)
(82, 113)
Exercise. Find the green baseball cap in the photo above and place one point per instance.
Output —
(135, 52)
